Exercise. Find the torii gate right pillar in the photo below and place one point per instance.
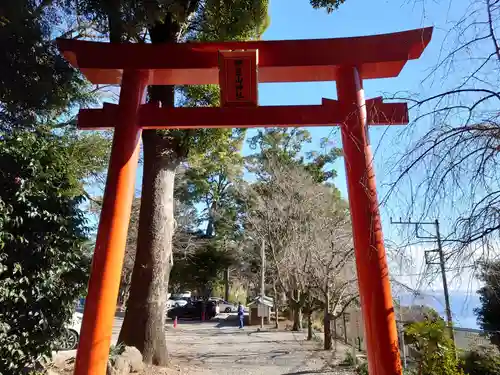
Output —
(371, 262)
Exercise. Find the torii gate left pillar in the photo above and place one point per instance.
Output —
(100, 304)
(347, 61)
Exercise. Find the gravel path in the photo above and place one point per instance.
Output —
(221, 348)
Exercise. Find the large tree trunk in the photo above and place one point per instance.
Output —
(276, 310)
(309, 326)
(144, 322)
(334, 335)
(327, 326)
(297, 311)
(344, 326)
(227, 289)
(115, 23)
(210, 232)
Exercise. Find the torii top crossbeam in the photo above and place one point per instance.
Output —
(377, 56)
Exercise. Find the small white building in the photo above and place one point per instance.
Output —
(260, 307)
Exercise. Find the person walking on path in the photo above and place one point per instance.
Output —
(241, 315)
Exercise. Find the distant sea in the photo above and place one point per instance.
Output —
(462, 305)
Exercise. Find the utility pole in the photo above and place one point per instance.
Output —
(441, 263)
(402, 334)
(226, 284)
(226, 276)
(262, 278)
(443, 273)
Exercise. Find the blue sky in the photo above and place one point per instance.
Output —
(353, 18)
(356, 18)
(296, 19)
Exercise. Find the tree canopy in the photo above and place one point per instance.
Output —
(38, 85)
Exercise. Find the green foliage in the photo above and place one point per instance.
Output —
(488, 313)
(349, 359)
(115, 351)
(43, 239)
(43, 268)
(173, 21)
(236, 294)
(286, 145)
(209, 181)
(436, 351)
(213, 166)
(362, 369)
(88, 153)
(37, 83)
(417, 313)
(329, 5)
(194, 20)
(481, 361)
(230, 20)
(210, 174)
(200, 270)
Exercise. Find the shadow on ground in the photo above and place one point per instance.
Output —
(230, 321)
(192, 321)
(322, 371)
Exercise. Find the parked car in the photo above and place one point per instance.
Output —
(227, 307)
(178, 301)
(215, 299)
(193, 309)
(185, 294)
(71, 335)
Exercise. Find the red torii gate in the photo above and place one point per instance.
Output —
(238, 67)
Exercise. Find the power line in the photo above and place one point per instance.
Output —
(458, 268)
(429, 261)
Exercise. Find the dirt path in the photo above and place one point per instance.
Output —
(221, 348)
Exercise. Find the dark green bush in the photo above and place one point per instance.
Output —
(435, 350)
(482, 361)
(43, 268)
(362, 369)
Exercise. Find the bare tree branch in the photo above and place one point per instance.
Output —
(450, 169)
